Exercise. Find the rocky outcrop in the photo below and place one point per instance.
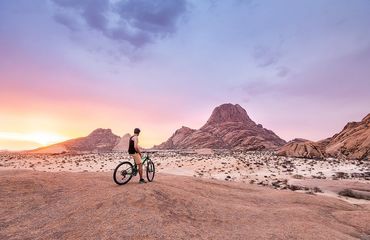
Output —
(229, 113)
(179, 138)
(229, 127)
(353, 142)
(302, 148)
(100, 140)
(122, 146)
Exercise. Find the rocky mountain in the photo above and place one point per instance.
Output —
(352, 142)
(100, 140)
(229, 127)
(122, 146)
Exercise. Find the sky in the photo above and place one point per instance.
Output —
(300, 68)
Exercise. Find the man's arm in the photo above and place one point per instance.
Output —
(136, 145)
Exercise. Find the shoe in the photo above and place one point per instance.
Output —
(142, 181)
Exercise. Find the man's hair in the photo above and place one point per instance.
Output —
(137, 130)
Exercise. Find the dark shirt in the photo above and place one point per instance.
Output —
(131, 146)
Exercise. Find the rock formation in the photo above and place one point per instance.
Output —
(100, 140)
(353, 142)
(122, 146)
(229, 127)
(301, 148)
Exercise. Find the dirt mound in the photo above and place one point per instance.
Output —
(38, 205)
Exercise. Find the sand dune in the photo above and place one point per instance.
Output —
(65, 205)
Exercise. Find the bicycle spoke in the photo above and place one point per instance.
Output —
(123, 173)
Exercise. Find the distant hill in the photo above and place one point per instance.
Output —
(229, 127)
(100, 140)
(352, 142)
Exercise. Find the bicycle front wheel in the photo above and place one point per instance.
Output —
(150, 171)
(123, 173)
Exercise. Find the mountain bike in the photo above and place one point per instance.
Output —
(126, 170)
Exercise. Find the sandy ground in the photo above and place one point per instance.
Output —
(66, 205)
(261, 168)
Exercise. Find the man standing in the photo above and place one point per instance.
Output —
(134, 151)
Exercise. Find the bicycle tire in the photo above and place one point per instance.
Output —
(150, 170)
(128, 168)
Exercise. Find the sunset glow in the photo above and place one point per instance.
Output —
(39, 138)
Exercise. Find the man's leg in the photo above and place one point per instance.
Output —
(140, 166)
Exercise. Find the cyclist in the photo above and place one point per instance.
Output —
(134, 151)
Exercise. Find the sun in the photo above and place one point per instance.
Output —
(41, 138)
(45, 139)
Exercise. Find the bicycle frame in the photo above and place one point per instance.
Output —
(144, 160)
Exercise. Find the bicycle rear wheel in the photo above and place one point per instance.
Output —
(150, 170)
(123, 173)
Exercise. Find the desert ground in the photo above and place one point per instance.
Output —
(325, 177)
(197, 195)
(66, 205)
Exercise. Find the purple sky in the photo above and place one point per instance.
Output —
(300, 68)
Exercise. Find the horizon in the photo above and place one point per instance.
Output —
(56, 140)
(70, 67)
